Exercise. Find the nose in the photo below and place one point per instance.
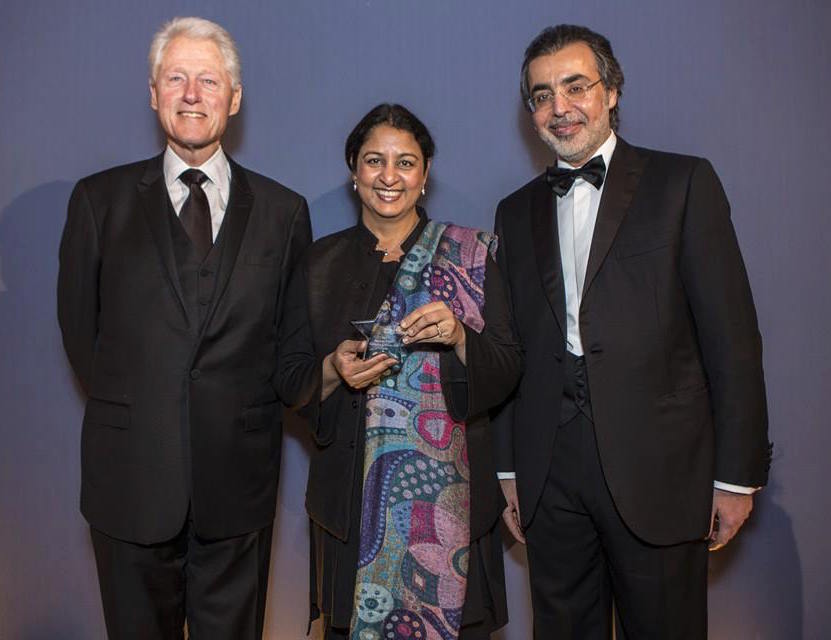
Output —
(191, 94)
(561, 104)
(389, 174)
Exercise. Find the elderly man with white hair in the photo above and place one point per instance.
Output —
(172, 273)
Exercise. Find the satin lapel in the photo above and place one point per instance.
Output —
(156, 203)
(547, 248)
(625, 170)
(233, 229)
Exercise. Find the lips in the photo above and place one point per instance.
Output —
(191, 114)
(565, 129)
(389, 195)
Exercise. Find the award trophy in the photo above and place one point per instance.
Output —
(382, 335)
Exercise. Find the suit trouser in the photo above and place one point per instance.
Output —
(218, 586)
(582, 557)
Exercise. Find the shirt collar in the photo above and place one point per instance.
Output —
(217, 168)
(606, 150)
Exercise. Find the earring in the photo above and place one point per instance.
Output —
(423, 191)
(354, 185)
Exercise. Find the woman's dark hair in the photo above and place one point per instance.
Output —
(552, 39)
(395, 116)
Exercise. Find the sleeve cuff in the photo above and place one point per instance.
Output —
(734, 488)
(506, 475)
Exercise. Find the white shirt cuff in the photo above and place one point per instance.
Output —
(734, 488)
(506, 475)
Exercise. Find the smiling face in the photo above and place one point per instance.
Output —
(389, 174)
(193, 96)
(573, 129)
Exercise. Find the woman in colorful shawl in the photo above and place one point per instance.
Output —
(395, 342)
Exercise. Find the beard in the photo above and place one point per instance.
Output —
(578, 147)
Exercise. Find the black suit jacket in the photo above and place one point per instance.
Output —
(670, 337)
(178, 415)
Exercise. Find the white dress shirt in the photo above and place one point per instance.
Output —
(576, 217)
(217, 187)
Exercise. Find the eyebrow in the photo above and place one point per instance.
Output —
(545, 86)
(573, 78)
(370, 152)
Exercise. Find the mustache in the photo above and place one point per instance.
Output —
(564, 122)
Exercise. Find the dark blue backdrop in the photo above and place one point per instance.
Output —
(743, 82)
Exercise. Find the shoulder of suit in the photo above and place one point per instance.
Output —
(524, 192)
(259, 182)
(333, 241)
(329, 248)
(666, 159)
(114, 177)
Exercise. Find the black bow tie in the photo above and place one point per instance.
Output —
(560, 180)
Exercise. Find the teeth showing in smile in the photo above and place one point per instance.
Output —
(191, 114)
(388, 193)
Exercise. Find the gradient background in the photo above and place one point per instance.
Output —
(743, 82)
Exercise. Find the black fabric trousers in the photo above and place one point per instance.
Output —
(218, 586)
(583, 559)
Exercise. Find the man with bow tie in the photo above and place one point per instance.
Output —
(638, 433)
(172, 273)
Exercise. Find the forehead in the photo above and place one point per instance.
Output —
(183, 50)
(384, 137)
(574, 59)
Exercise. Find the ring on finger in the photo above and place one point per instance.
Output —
(439, 333)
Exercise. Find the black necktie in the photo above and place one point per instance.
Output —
(196, 213)
(560, 180)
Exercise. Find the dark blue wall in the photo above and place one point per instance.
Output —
(743, 82)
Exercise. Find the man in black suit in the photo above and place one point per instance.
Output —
(639, 429)
(172, 273)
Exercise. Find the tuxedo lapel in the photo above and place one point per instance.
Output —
(156, 202)
(233, 229)
(622, 178)
(547, 248)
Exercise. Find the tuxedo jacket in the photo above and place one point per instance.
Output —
(181, 412)
(670, 338)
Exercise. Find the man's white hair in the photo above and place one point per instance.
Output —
(198, 29)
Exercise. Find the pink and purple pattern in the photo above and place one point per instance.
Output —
(415, 519)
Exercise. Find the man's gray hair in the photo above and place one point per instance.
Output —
(198, 29)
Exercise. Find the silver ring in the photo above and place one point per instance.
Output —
(439, 334)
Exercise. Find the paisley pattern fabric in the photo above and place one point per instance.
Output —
(415, 518)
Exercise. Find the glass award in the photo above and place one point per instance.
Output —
(381, 334)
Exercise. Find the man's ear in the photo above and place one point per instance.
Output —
(236, 101)
(612, 93)
(154, 102)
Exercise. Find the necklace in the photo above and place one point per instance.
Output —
(386, 251)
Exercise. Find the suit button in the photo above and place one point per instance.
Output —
(363, 285)
(354, 404)
(205, 273)
(351, 444)
(195, 374)
(580, 396)
(204, 301)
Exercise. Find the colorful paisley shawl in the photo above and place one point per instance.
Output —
(415, 513)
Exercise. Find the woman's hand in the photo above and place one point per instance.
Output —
(434, 323)
(346, 364)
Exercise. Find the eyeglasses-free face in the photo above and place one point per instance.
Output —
(389, 174)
